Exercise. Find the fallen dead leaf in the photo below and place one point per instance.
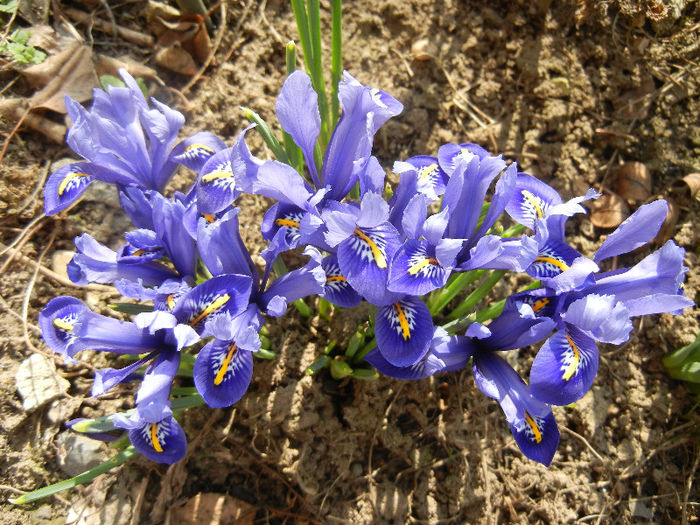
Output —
(634, 182)
(176, 59)
(69, 72)
(690, 185)
(210, 508)
(609, 211)
(107, 65)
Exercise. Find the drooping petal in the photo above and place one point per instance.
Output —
(537, 437)
(531, 200)
(57, 321)
(297, 112)
(564, 367)
(531, 420)
(426, 367)
(404, 330)
(224, 293)
(222, 373)
(65, 186)
(553, 258)
(578, 276)
(216, 184)
(432, 180)
(337, 290)
(162, 442)
(196, 150)
(364, 259)
(415, 270)
(636, 231)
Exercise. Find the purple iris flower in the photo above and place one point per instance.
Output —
(531, 420)
(125, 142)
(601, 308)
(347, 160)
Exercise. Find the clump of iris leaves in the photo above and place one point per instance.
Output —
(424, 254)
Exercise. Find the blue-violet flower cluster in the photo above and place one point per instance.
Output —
(186, 258)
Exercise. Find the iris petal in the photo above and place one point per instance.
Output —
(222, 373)
(564, 367)
(404, 330)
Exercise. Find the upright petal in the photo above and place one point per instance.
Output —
(297, 112)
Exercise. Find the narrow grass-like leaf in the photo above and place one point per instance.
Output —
(122, 457)
(336, 59)
(477, 295)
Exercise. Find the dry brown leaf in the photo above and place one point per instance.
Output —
(69, 72)
(690, 185)
(609, 211)
(107, 65)
(176, 59)
(634, 182)
(210, 508)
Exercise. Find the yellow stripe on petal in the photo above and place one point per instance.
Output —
(217, 174)
(208, 217)
(224, 365)
(335, 278)
(554, 262)
(573, 366)
(63, 325)
(530, 197)
(428, 170)
(213, 307)
(66, 180)
(171, 301)
(154, 438)
(403, 322)
(287, 222)
(533, 426)
(199, 146)
(413, 270)
(376, 252)
(540, 304)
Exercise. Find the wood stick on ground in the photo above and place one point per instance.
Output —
(135, 37)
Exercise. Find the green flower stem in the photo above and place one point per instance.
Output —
(495, 309)
(294, 153)
(355, 341)
(453, 288)
(314, 18)
(359, 356)
(119, 459)
(336, 58)
(324, 309)
(477, 295)
(266, 134)
(131, 308)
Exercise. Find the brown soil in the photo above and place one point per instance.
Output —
(569, 90)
